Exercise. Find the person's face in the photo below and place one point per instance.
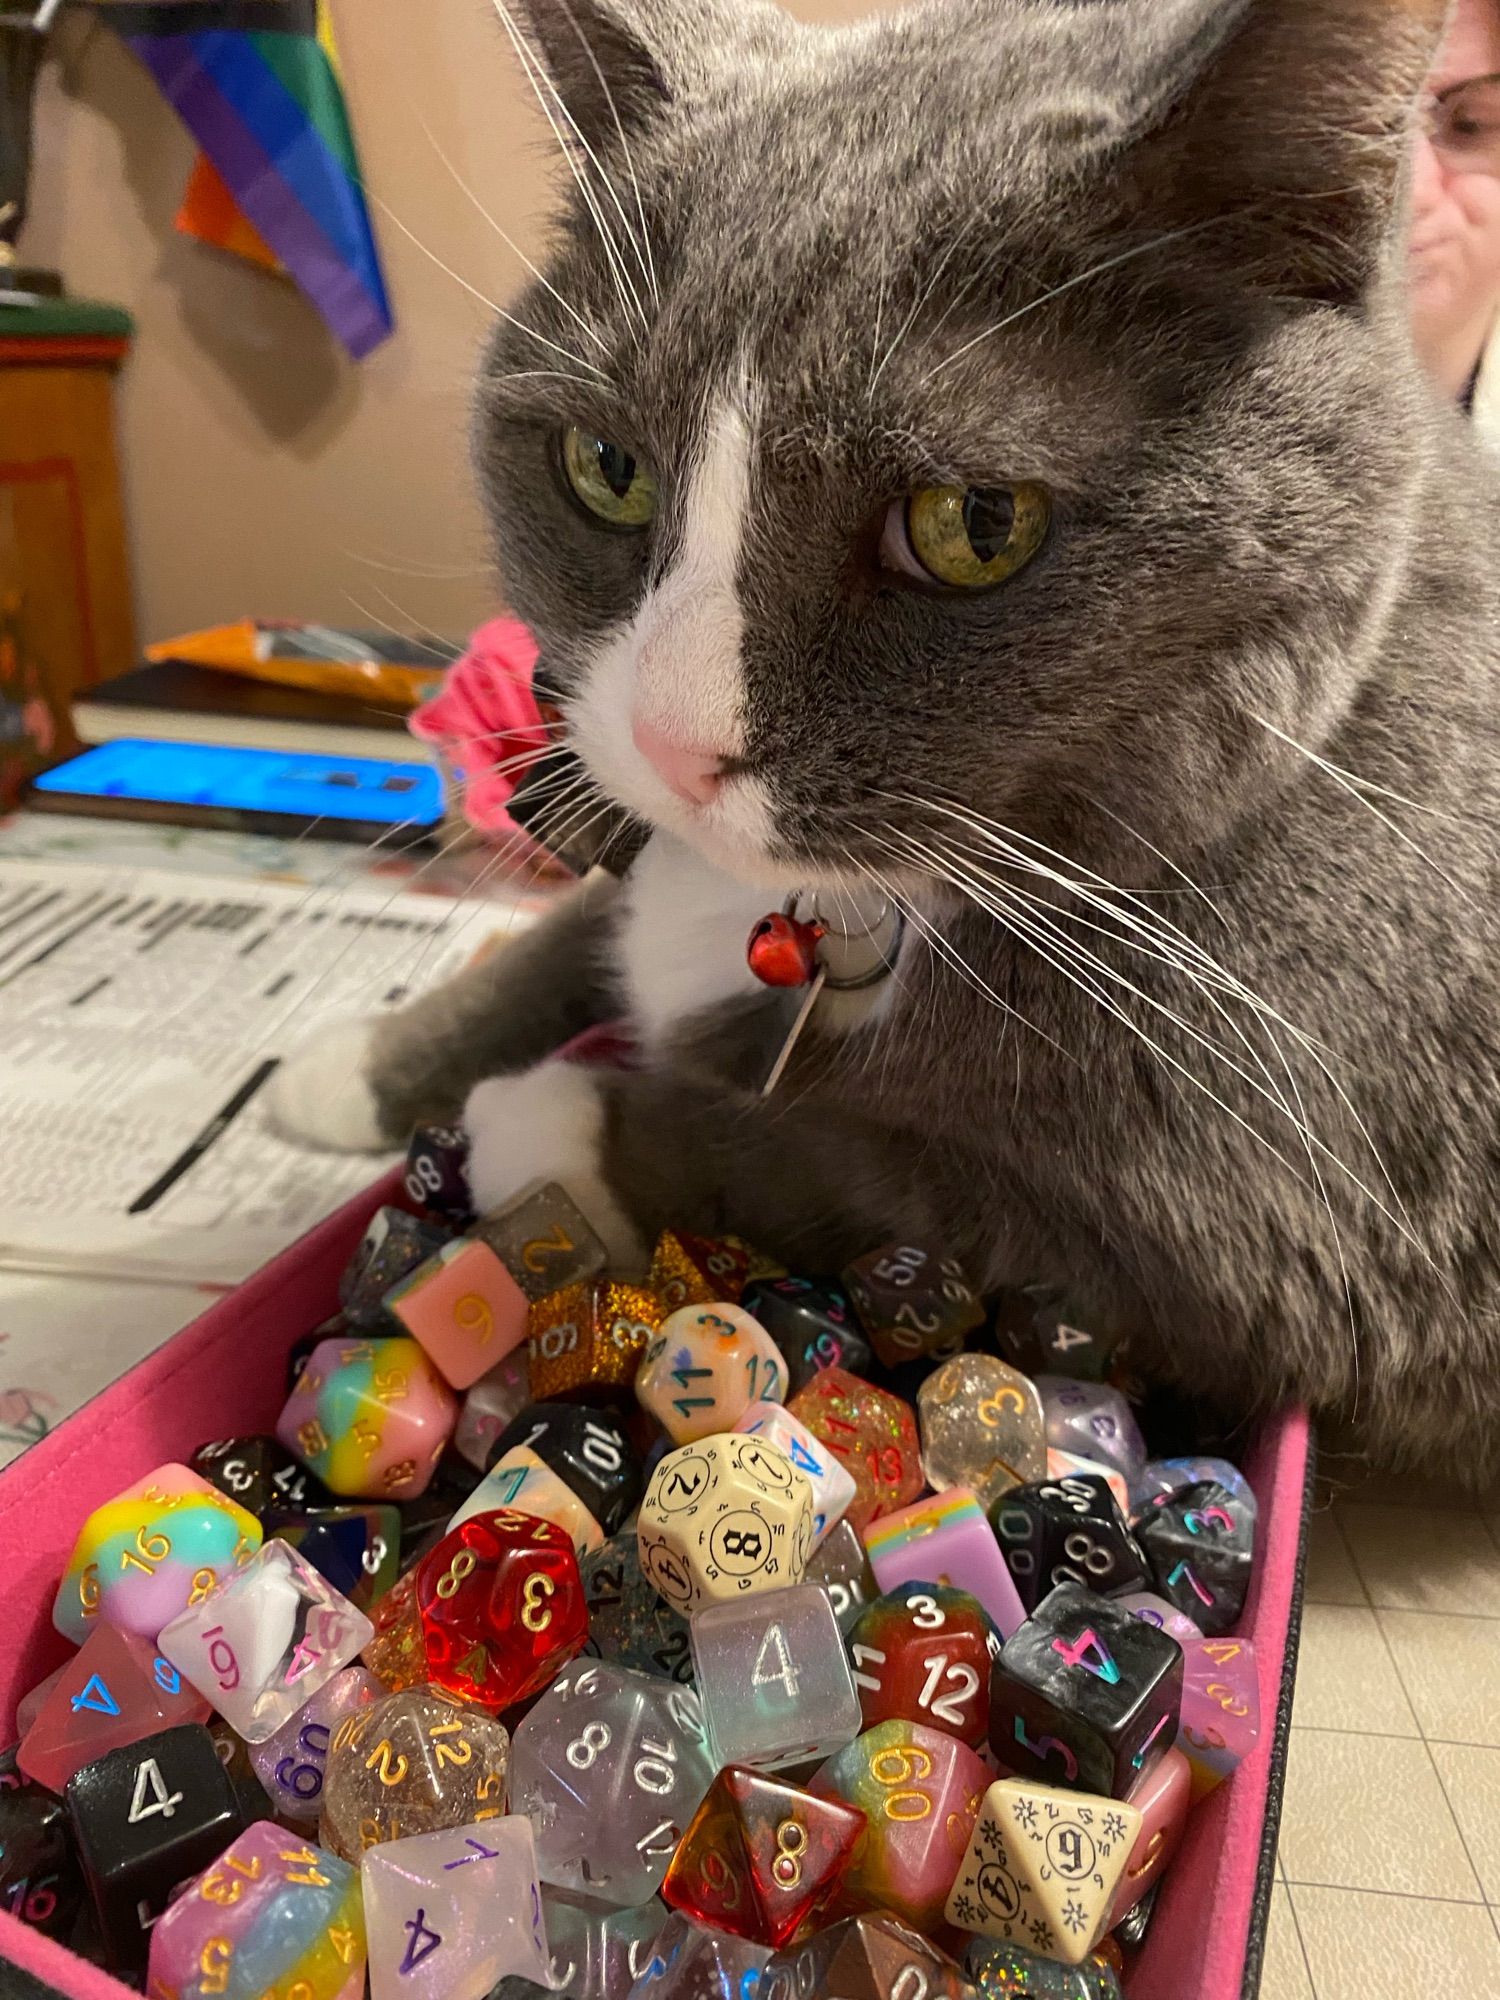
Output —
(1454, 248)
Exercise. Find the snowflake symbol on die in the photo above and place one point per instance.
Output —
(1041, 1935)
(991, 1834)
(965, 1913)
(1114, 1826)
(1074, 1915)
(1025, 1816)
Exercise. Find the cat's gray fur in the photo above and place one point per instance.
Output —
(1262, 512)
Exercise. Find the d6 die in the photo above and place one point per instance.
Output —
(981, 1425)
(923, 1653)
(1200, 1543)
(371, 1418)
(266, 1642)
(1085, 1695)
(544, 1240)
(464, 1307)
(773, 1680)
(609, 1766)
(872, 1432)
(452, 1912)
(912, 1300)
(1066, 1531)
(589, 1449)
(704, 1368)
(501, 1604)
(723, 1517)
(411, 1763)
(586, 1341)
(812, 1324)
(761, 1857)
(1096, 1421)
(630, 1622)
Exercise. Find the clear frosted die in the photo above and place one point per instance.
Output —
(449, 1914)
(774, 1679)
(598, 1952)
(292, 1764)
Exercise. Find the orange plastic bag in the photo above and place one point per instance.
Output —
(374, 666)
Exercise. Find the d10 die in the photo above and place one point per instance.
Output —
(867, 1957)
(981, 1426)
(912, 1301)
(1071, 1465)
(371, 1418)
(761, 1858)
(146, 1817)
(589, 1450)
(452, 1912)
(163, 1543)
(1042, 1867)
(272, 1914)
(812, 1324)
(412, 1763)
(695, 1270)
(832, 1483)
(464, 1307)
(586, 1341)
(1200, 1543)
(690, 1962)
(723, 1517)
(1096, 1421)
(501, 1604)
(609, 1765)
(1220, 1709)
(489, 1406)
(840, 1565)
(267, 1641)
(393, 1245)
(436, 1173)
(292, 1764)
(772, 1676)
(117, 1689)
(630, 1622)
(872, 1432)
(544, 1240)
(259, 1474)
(1085, 1695)
(919, 1791)
(704, 1369)
(1066, 1531)
(923, 1653)
(946, 1539)
(521, 1483)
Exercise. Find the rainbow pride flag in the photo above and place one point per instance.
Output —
(257, 84)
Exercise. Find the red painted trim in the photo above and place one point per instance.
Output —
(37, 470)
(50, 349)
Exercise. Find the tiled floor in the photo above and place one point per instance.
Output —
(1390, 1829)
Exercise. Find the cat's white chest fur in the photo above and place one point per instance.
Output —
(682, 935)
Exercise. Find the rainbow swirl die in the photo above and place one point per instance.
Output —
(158, 1547)
(370, 1417)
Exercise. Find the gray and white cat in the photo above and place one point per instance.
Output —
(979, 453)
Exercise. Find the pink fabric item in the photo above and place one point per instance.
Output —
(485, 715)
(226, 1373)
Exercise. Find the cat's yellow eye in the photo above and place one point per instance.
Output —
(609, 482)
(968, 537)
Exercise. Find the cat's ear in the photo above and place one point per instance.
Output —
(1283, 133)
(629, 60)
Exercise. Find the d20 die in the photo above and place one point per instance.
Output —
(946, 1539)
(1094, 1420)
(259, 1474)
(832, 1483)
(411, 1763)
(723, 1517)
(114, 1691)
(923, 1653)
(872, 1432)
(145, 1818)
(1220, 1709)
(761, 1857)
(1200, 1543)
(502, 1609)
(464, 1307)
(544, 1240)
(773, 1680)
(919, 1791)
(452, 1912)
(39, 1880)
(585, 1341)
(981, 1426)
(371, 1418)
(273, 1914)
(588, 1448)
(840, 1565)
(866, 1957)
(393, 1245)
(521, 1483)
(811, 1323)
(704, 1368)
(688, 1961)
(163, 1543)
(695, 1270)
(1085, 1695)
(912, 1301)
(630, 1622)
(267, 1641)
(1042, 1867)
(1066, 1531)
(292, 1764)
(436, 1173)
(609, 1765)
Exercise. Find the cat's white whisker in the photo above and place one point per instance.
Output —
(643, 243)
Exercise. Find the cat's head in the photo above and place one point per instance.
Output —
(999, 412)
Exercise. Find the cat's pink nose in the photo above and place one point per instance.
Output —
(692, 772)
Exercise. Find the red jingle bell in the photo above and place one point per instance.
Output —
(783, 952)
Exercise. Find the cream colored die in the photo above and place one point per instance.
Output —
(704, 1367)
(724, 1516)
(1042, 1867)
(522, 1481)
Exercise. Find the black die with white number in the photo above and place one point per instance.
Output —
(39, 1880)
(1085, 1695)
(145, 1818)
(913, 1302)
(589, 1449)
(1200, 1543)
(436, 1175)
(1071, 1530)
(259, 1473)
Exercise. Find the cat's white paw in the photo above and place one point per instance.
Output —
(547, 1125)
(321, 1095)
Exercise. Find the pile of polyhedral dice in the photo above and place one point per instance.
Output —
(722, 1633)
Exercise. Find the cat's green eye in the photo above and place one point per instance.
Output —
(968, 537)
(617, 488)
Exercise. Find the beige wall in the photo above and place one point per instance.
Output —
(266, 474)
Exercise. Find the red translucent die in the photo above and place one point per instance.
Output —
(501, 1606)
(1220, 1708)
(114, 1691)
(761, 1856)
(922, 1653)
(920, 1793)
(1161, 1797)
(872, 1432)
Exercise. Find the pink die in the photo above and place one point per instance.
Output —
(370, 1417)
(464, 1307)
(1161, 1796)
(946, 1539)
(114, 1691)
(1069, 1464)
(1154, 1610)
(1220, 1708)
(273, 1914)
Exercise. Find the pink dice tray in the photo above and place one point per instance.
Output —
(225, 1373)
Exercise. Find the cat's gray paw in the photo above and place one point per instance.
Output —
(547, 1124)
(321, 1095)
